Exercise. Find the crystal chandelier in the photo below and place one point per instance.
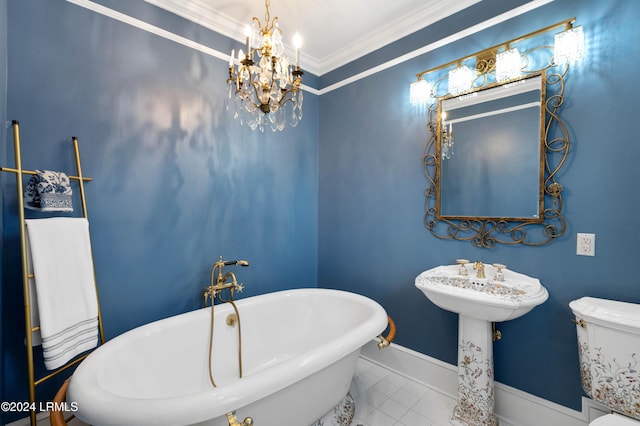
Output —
(264, 86)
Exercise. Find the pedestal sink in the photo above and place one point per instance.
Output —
(480, 301)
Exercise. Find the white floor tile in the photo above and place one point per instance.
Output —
(387, 386)
(412, 418)
(389, 399)
(393, 409)
(405, 398)
(378, 418)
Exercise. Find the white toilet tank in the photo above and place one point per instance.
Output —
(609, 348)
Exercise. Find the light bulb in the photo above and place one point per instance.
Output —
(569, 45)
(297, 43)
(420, 93)
(297, 40)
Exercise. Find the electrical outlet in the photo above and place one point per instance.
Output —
(586, 245)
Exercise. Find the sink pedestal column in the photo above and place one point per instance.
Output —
(476, 400)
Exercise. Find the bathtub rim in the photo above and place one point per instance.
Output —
(232, 396)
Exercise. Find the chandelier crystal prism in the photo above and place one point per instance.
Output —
(264, 86)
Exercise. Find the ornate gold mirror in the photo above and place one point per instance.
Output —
(497, 143)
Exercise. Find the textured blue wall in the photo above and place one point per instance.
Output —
(176, 180)
(371, 197)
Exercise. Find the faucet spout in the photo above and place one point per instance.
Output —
(479, 267)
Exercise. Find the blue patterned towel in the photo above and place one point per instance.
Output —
(48, 191)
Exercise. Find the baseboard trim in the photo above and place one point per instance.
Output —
(513, 406)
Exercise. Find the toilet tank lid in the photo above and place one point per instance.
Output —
(608, 311)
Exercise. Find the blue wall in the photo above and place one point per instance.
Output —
(371, 196)
(177, 181)
(337, 201)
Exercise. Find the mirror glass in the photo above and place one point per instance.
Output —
(490, 152)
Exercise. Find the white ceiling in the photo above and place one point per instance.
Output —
(335, 32)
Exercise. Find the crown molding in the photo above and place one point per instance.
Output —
(202, 13)
(392, 31)
(95, 7)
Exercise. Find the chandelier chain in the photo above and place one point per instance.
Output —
(267, 17)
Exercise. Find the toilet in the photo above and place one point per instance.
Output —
(609, 349)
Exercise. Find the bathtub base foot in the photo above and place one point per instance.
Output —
(233, 420)
(341, 415)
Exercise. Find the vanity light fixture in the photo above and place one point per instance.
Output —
(498, 63)
(460, 80)
(568, 46)
(508, 64)
(420, 93)
(264, 82)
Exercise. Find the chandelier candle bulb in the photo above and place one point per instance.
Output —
(297, 43)
(233, 52)
(247, 33)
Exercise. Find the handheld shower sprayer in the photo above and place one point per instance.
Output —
(235, 262)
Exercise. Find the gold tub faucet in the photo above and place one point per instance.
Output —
(222, 280)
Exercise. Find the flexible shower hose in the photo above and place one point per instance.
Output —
(235, 308)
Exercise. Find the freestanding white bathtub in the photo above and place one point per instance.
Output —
(299, 350)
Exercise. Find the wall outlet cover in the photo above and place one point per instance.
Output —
(586, 244)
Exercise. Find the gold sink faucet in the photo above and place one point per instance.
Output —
(479, 267)
(222, 280)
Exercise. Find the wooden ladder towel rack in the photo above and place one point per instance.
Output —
(29, 328)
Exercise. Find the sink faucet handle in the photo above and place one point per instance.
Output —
(463, 270)
(499, 274)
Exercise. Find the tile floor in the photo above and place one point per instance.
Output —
(384, 398)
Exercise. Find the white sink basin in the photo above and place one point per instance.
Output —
(482, 298)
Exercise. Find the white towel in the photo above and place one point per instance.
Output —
(65, 287)
(33, 300)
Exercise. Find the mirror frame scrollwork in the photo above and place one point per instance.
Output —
(487, 232)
